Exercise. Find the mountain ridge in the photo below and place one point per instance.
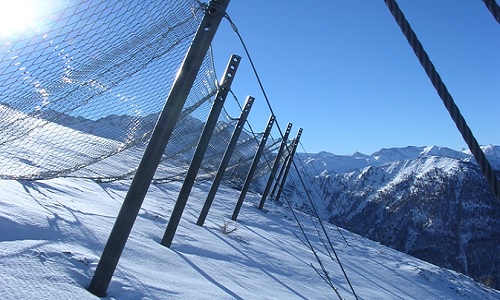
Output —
(344, 163)
(431, 202)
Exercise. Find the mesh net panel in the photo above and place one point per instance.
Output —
(81, 95)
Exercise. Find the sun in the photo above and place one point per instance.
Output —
(15, 16)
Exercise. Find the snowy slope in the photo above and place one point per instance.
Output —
(492, 153)
(33, 147)
(53, 233)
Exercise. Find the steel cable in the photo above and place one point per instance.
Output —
(494, 8)
(309, 245)
(446, 97)
(254, 69)
(324, 229)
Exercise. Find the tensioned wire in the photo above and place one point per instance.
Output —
(445, 96)
(281, 133)
(316, 213)
(494, 8)
(314, 185)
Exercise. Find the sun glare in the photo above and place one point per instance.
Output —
(15, 16)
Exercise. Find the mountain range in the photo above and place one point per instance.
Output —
(430, 202)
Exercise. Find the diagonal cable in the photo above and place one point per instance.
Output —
(494, 8)
(448, 101)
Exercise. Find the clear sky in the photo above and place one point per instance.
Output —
(344, 72)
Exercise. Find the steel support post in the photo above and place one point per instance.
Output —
(289, 164)
(253, 167)
(280, 175)
(151, 158)
(225, 160)
(201, 148)
(276, 165)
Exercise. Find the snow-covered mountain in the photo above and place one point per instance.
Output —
(430, 202)
(332, 163)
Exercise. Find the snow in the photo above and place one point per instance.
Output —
(348, 163)
(53, 233)
(37, 146)
(492, 154)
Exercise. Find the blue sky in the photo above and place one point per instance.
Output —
(344, 72)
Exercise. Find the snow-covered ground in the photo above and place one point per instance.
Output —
(53, 232)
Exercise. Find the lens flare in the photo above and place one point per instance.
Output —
(16, 16)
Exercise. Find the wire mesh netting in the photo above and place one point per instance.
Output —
(84, 91)
(81, 94)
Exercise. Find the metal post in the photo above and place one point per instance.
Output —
(275, 166)
(253, 167)
(194, 167)
(280, 175)
(290, 162)
(225, 160)
(156, 146)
